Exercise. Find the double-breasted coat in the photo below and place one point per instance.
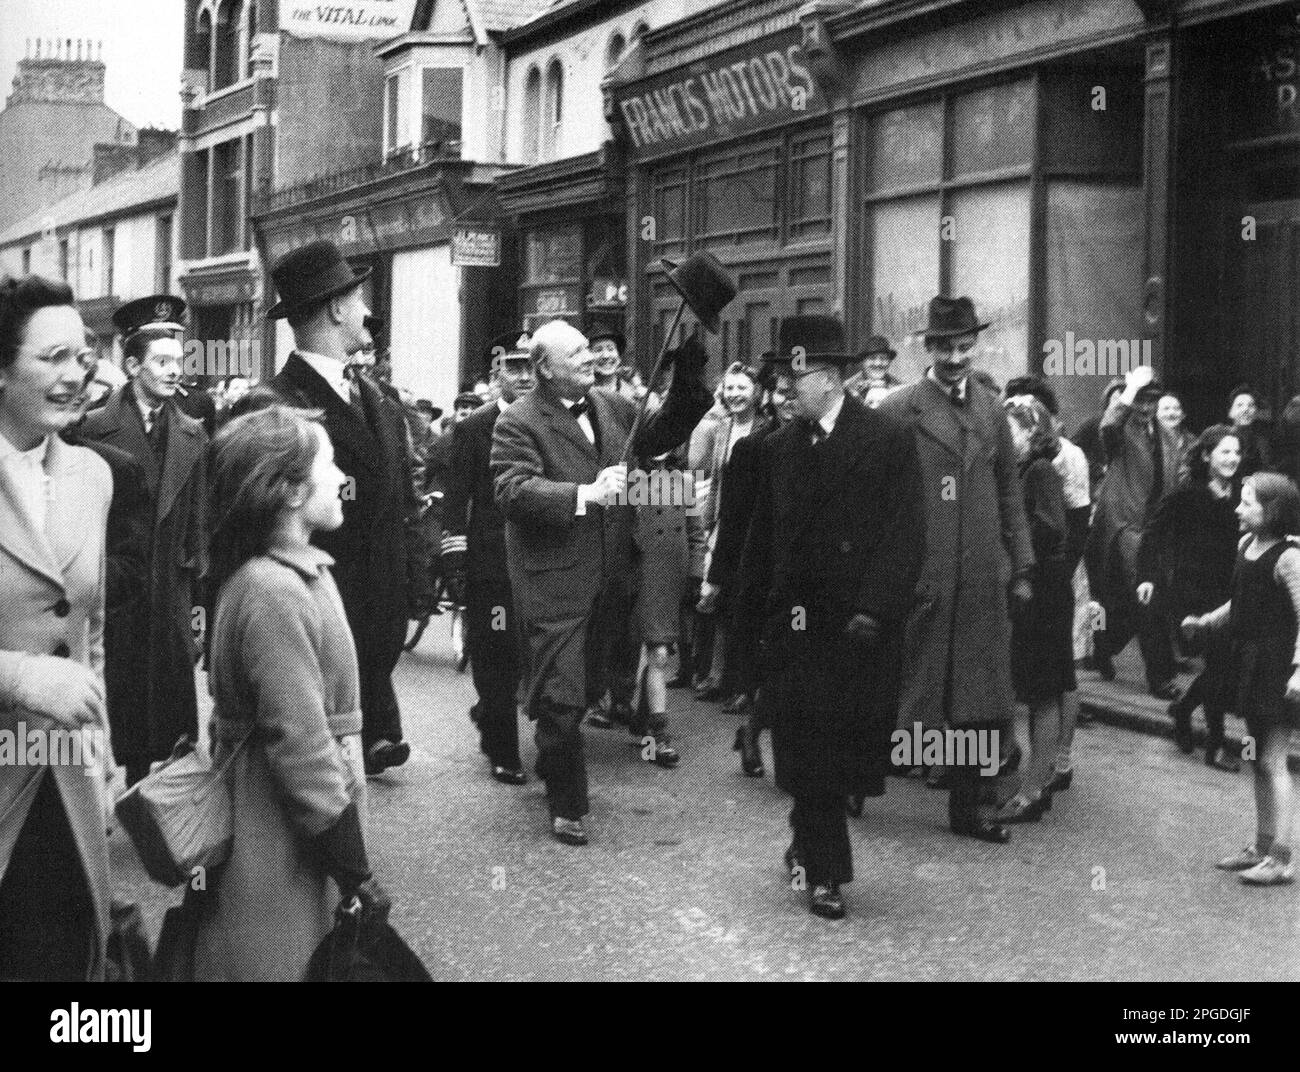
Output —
(561, 562)
(836, 531)
(150, 644)
(958, 635)
(53, 604)
(369, 549)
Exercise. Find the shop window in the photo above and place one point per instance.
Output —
(441, 110)
(737, 195)
(110, 250)
(810, 187)
(532, 116)
(553, 112)
(554, 255)
(907, 147)
(397, 112)
(670, 210)
(992, 129)
(990, 262)
(904, 275)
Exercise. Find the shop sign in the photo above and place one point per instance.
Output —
(476, 247)
(1272, 101)
(555, 300)
(753, 87)
(420, 221)
(354, 20)
(607, 294)
(220, 290)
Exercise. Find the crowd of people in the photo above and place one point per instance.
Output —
(849, 555)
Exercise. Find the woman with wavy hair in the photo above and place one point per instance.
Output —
(284, 683)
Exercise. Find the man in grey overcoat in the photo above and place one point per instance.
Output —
(957, 665)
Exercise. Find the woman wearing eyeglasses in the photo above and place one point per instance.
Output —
(54, 502)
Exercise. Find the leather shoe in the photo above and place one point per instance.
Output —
(1023, 810)
(664, 754)
(707, 692)
(746, 743)
(568, 831)
(737, 705)
(1221, 760)
(1166, 690)
(384, 754)
(825, 901)
(983, 830)
(509, 775)
(1061, 780)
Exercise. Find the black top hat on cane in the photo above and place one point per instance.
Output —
(313, 273)
(704, 285)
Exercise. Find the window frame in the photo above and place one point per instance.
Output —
(390, 120)
(419, 111)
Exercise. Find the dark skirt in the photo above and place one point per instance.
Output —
(1263, 669)
(1042, 637)
(664, 564)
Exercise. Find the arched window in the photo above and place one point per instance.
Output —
(614, 52)
(553, 112)
(202, 55)
(532, 115)
(247, 33)
(228, 53)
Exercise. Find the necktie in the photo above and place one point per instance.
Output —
(955, 394)
(579, 408)
(154, 429)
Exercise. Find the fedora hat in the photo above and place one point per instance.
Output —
(811, 337)
(312, 273)
(948, 317)
(704, 285)
(877, 344)
(604, 329)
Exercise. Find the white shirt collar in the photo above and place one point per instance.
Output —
(963, 385)
(331, 371)
(832, 415)
(501, 405)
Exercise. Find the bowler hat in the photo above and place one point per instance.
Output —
(949, 317)
(603, 329)
(467, 398)
(507, 346)
(877, 344)
(811, 337)
(312, 273)
(425, 406)
(704, 285)
(164, 311)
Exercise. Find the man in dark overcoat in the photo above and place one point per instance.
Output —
(835, 541)
(321, 297)
(150, 644)
(470, 512)
(556, 457)
(957, 659)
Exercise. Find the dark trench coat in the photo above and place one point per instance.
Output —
(836, 531)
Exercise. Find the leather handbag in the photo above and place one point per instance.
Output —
(179, 816)
(364, 948)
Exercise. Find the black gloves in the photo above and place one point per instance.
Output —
(342, 852)
(689, 359)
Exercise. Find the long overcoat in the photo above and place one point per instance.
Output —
(958, 635)
(151, 643)
(836, 531)
(54, 604)
(559, 561)
(284, 668)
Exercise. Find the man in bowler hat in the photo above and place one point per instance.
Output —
(560, 482)
(957, 666)
(834, 543)
(321, 298)
(150, 644)
(471, 515)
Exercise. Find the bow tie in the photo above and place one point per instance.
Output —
(579, 407)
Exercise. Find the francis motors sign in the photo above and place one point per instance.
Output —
(753, 87)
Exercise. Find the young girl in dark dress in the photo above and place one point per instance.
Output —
(1042, 642)
(1261, 621)
(1185, 563)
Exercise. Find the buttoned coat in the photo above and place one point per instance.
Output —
(150, 644)
(836, 531)
(560, 562)
(958, 634)
(283, 665)
(54, 603)
(369, 549)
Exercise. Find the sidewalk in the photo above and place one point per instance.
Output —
(1126, 703)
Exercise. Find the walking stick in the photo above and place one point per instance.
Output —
(654, 378)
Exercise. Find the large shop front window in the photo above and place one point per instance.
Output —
(948, 210)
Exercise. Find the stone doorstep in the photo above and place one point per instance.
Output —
(1118, 707)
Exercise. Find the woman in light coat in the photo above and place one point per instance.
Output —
(54, 501)
(284, 681)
